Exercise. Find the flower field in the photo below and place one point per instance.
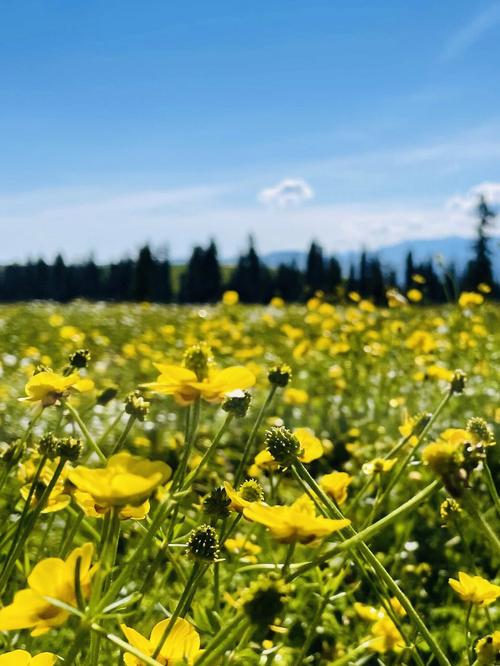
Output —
(246, 485)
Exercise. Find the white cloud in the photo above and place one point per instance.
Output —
(289, 192)
(466, 203)
(472, 32)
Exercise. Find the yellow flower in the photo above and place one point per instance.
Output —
(311, 446)
(419, 279)
(295, 396)
(181, 647)
(126, 479)
(378, 466)
(48, 387)
(488, 648)
(475, 589)
(230, 297)
(440, 454)
(242, 546)
(249, 492)
(58, 499)
(414, 295)
(23, 658)
(470, 298)
(295, 523)
(387, 636)
(385, 632)
(183, 383)
(52, 577)
(90, 507)
(335, 485)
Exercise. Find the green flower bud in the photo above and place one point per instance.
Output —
(251, 491)
(478, 427)
(136, 405)
(69, 448)
(237, 403)
(280, 375)
(216, 504)
(457, 384)
(80, 359)
(203, 544)
(198, 358)
(48, 446)
(283, 445)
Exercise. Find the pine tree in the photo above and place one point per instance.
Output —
(479, 270)
(409, 271)
(333, 280)
(315, 270)
(144, 277)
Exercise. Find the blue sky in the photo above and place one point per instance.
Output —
(357, 123)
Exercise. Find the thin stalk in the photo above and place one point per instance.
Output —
(490, 484)
(124, 646)
(84, 430)
(123, 436)
(468, 502)
(251, 438)
(70, 535)
(380, 570)
(221, 641)
(369, 532)
(470, 655)
(178, 609)
(288, 559)
(109, 429)
(404, 464)
(30, 521)
(127, 568)
(312, 626)
(192, 476)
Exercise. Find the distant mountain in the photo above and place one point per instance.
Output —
(453, 249)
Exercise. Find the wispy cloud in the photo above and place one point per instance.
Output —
(466, 203)
(288, 192)
(471, 32)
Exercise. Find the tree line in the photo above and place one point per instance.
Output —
(203, 279)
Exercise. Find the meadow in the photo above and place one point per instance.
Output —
(250, 485)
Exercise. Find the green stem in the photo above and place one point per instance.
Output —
(468, 649)
(178, 609)
(192, 476)
(84, 430)
(122, 438)
(490, 483)
(312, 627)
(30, 522)
(109, 429)
(251, 438)
(288, 559)
(369, 532)
(70, 536)
(379, 569)
(404, 464)
(221, 641)
(127, 569)
(124, 646)
(479, 521)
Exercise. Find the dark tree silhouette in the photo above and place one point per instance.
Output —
(479, 270)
